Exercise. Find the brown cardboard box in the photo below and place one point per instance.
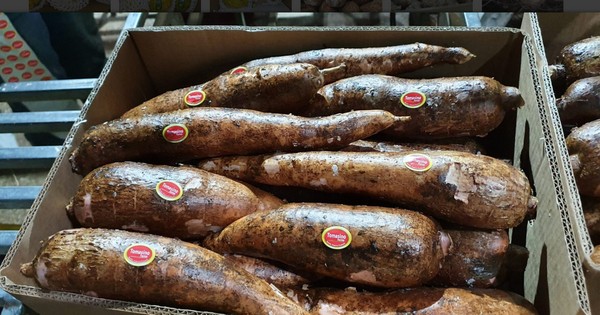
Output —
(150, 61)
(555, 32)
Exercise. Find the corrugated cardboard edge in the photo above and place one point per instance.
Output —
(567, 201)
(322, 28)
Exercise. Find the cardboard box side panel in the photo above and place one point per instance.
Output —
(53, 307)
(125, 84)
(551, 234)
(204, 55)
(65, 304)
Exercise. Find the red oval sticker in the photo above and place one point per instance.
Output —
(175, 133)
(336, 237)
(10, 34)
(418, 162)
(194, 98)
(169, 190)
(239, 70)
(139, 255)
(413, 99)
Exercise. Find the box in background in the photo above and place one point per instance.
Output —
(145, 64)
(554, 32)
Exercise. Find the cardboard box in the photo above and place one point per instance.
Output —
(146, 64)
(555, 32)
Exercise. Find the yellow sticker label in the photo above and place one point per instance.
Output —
(413, 99)
(418, 162)
(336, 237)
(139, 255)
(169, 190)
(194, 98)
(175, 133)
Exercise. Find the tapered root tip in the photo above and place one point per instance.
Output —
(27, 270)
(557, 72)
(461, 55)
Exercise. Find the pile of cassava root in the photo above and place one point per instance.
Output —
(577, 67)
(301, 184)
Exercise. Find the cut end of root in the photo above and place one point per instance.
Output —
(557, 72)
(512, 98)
(73, 161)
(445, 242)
(575, 164)
(532, 207)
(27, 270)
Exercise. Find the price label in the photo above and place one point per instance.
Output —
(175, 133)
(169, 190)
(194, 98)
(336, 237)
(139, 255)
(413, 99)
(418, 162)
